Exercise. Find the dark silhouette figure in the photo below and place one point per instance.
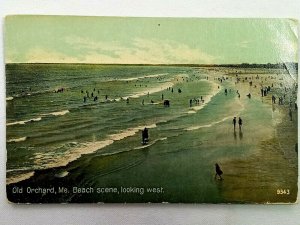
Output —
(219, 172)
(167, 103)
(145, 136)
(234, 122)
(240, 123)
(273, 99)
(162, 97)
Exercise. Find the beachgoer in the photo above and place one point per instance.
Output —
(191, 102)
(145, 136)
(162, 96)
(234, 122)
(240, 123)
(219, 172)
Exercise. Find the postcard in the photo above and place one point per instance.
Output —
(161, 110)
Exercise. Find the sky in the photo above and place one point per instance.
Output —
(128, 40)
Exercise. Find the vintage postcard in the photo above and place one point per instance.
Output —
(138, 110)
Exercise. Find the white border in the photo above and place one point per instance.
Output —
(141, 213)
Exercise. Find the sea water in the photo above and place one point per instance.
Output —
(47, 127)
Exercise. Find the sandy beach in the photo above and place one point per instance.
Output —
(273, 163)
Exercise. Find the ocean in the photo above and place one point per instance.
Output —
(47, 128)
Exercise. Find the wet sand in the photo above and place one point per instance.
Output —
(273, 164)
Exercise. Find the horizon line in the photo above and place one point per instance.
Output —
(155, 64)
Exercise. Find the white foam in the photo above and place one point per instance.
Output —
(207, 125)
(62, 174)
(9, 98)
(143, 77)
(128, 132)
(152, 143)
(59, 113)
(17, 139)
(191, 111)
(24, 121)
(52, 159)
(162, 87)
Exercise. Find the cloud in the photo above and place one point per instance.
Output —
(41, 55)
(142, 51)
(139, 51)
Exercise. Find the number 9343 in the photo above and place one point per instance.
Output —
(283, 191)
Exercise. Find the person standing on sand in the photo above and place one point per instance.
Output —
(219, 172)
(240, 123)
(234, 122)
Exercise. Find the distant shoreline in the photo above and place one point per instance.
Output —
(241, 65)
